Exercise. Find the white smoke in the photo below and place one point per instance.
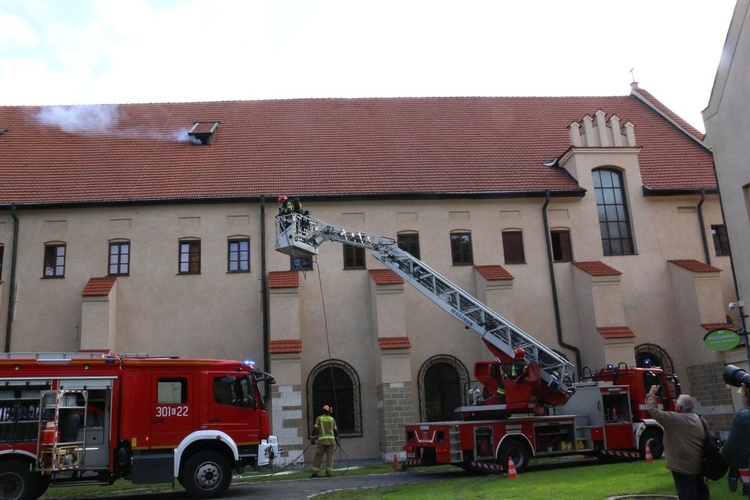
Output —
(102, 119)
(84, 119)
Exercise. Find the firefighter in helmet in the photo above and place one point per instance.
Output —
(286, 206)
(327, 436)
(517, 369)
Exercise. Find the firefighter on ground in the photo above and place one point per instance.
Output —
(327, 436)
(518, 368)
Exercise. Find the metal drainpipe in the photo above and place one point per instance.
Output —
(553, 284)
(264, 295)
(12, 285)
(703, 227)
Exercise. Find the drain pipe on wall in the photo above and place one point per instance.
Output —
(12, 287)
(264, 295)
(703, 227)
(553, 284)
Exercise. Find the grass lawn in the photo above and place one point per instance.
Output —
(590, 482)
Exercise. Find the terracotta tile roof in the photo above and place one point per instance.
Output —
(615, 332)
(695, 265)
(385, 277)
(284, 346)
(671, 114)
(283, 279)
(494, 273)
(597, 268)
(98, 287)
(386, 343)
(323, 148)
(713, 326)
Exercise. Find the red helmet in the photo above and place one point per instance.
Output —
(519, 353)
(282, 198)
(327, 409)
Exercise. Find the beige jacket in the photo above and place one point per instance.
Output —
(683, 438)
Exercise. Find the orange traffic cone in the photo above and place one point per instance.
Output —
(395, 462)
(649, 457)
(511, 469)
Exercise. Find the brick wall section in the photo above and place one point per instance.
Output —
(287, 421)
(394, 411)
(709, 390)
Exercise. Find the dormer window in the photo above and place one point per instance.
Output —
(202, 133)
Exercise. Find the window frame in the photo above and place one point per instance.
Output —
(191, 257)
(613, 212)
(52, 260)
(721, 240)
(301, 262)
(238, 261)
(119, 255)
(561, 244)
(408, 241)
(2, 253)
(461, 254)
(354, 257)
(513, 251)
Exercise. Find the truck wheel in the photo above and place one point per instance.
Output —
(655, 443)
(516, 449)
(17, 482)
(207, 474)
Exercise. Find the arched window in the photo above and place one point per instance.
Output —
(647, 355)
(612, 206)
(335, 383)
(443, 384)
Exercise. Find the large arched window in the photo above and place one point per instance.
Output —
(612, 206)
(443, 382)
(647, 355)
(335, 383)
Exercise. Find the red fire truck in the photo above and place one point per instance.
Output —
(542, 412)
(85, 418)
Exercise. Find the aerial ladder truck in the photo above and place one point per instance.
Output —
(538, 415)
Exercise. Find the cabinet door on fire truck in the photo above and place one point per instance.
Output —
(173, 405)
(234, 408)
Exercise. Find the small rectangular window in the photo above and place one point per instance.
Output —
(721, 240)
(354, 257)
(119, 259)
(54, 261)
(562, 250)
(409, 242)
(190, 257)
(513, 247)
(301, 263)
(2, 250)
(239, 256)
(461, 250)
(172, 391)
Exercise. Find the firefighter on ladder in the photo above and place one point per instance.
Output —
(326, 434)
(518, 368)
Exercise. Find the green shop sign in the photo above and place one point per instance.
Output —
(721, 339)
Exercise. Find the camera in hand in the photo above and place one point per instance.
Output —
(734, 375)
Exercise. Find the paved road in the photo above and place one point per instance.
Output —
(301, 489)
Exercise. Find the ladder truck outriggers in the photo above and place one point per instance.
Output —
(85, 418)
(543, 413)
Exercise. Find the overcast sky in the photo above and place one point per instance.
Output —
(64, 52)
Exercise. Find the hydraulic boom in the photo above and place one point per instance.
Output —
(301, 235)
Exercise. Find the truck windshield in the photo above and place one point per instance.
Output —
(231, 390)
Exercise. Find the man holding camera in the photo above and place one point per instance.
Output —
(736, 450)
(683, 442)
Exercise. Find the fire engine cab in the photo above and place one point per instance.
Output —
(91, 418)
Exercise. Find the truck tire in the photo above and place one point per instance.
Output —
(655, 442)
(207, 474)
(516, 449)
(17, 482)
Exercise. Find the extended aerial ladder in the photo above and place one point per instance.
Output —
(301, 235)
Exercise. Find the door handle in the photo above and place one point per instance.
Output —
(158, 422)
(216, 420)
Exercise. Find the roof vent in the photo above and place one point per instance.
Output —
(202, 133)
